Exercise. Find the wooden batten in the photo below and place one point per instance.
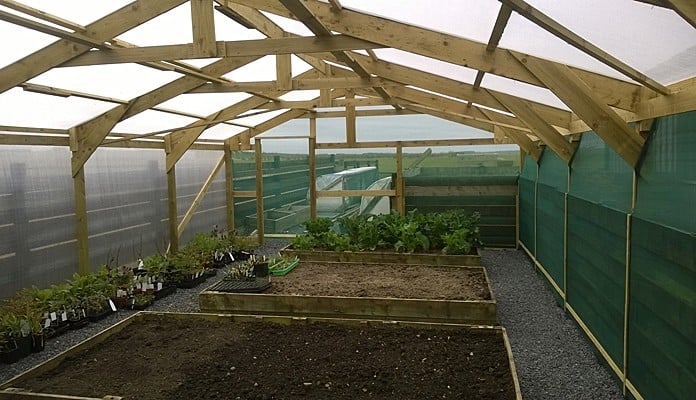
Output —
(312, 167)
(81, 227)
(259, 191)
(229, 187)
(350, 120)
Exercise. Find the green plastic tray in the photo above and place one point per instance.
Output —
(284, 271)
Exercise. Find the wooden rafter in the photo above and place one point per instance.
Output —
(295, 84)
(498, 28)
(548, 134)
(526, 10)
(103, 29)
(445, 47)
(241, 48)
(583, 101)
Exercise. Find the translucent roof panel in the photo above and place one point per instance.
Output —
(204, 103)
(221, 132)
(473, 20)
(427, 64)
(24, 42)
(151, 121)
(39, 110)
(654, 40)
(263, 69)
(289, 25)
(121, 81)
(523, 90)
(171, 27)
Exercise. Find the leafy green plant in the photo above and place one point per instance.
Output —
(304, 242)
(457, 242)
(411, 239)
(318, 226)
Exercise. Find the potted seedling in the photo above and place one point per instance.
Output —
(38, 335)
(9, 352)
(16, 329)
(142, 301)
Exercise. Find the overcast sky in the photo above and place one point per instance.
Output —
(649, 38)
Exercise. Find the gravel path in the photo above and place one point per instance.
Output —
(553, 358)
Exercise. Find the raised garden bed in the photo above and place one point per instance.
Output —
(205, 356)
(383, 257)
(375, 291)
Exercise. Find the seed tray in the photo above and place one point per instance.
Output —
(235, 286)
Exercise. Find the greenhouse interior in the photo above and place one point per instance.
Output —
(402, 156)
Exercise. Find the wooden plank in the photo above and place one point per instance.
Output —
(81, 227)
(443, 47)
(21, 394)
(383, 257)
(203, 27)
(354, 193)
(199, 197)
(101, 30)
(244, 194)
(541, 128)
(240, 48)
(544, 21)
(399, 182)
(588, 106)
(350, 120)
(361, 113)
(312, 168)
(295, 84)
(172, 213)
(406, 143)
(513, 369)
(258, 157)
(469, 190)
(283, 72)
(229, 187)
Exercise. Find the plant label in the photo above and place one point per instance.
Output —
(47, 322)
(120, 293)
(159, 286)
(112, 305)
(54, 316)
(64, 316)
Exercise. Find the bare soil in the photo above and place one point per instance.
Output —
(175, 359)
(383, 280)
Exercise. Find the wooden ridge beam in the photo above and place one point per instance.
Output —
(445, 47)
(548, 134)
(547, 23)
(241, 48)
(583, 101)
(101, 30)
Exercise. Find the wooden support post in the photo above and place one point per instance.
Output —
(229, 187)
(565, 243)
(259, 192)
(399, 184)
(81, 229)
(199, 197)
(312, 167)
(203, 27)
(536, 206)
(172, 211)
(283, 72)
(350, 118)
(627, 281)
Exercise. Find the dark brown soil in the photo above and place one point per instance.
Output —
(174, 359)
(383, 280)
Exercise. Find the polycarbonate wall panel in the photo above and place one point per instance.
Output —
(37, 221)
(191, 173)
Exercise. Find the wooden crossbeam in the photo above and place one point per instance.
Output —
(406, 143)
(361, 113)
(584, 102)
(101, 30)
(445, 47)
(241, 48)
(295, 84)
(550, 136)
(526, 10)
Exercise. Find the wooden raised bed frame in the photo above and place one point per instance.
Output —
(478, 312)
(386, 257)
(8, 389)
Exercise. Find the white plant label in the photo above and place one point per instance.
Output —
(64, 316)
(112, 305)
(159, 286)
(54, 316)
(47, 322)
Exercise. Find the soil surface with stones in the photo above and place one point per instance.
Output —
(383, 280)
(168, 358)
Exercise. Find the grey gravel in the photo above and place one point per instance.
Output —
(554, 359)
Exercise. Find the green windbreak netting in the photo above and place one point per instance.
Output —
(662, 313)
(553, 184)
(599, 175)
(662, 308)
(600, 197)
(596, 271)
(667, 176)
(527, 185)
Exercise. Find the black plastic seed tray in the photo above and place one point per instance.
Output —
(234, 286)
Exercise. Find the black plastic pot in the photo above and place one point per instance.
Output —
(78, 323)
(38, 342)
(261, 270)
(11, 354)
(98, 316)
(24, 344)
(164, 292)
(190, 283)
